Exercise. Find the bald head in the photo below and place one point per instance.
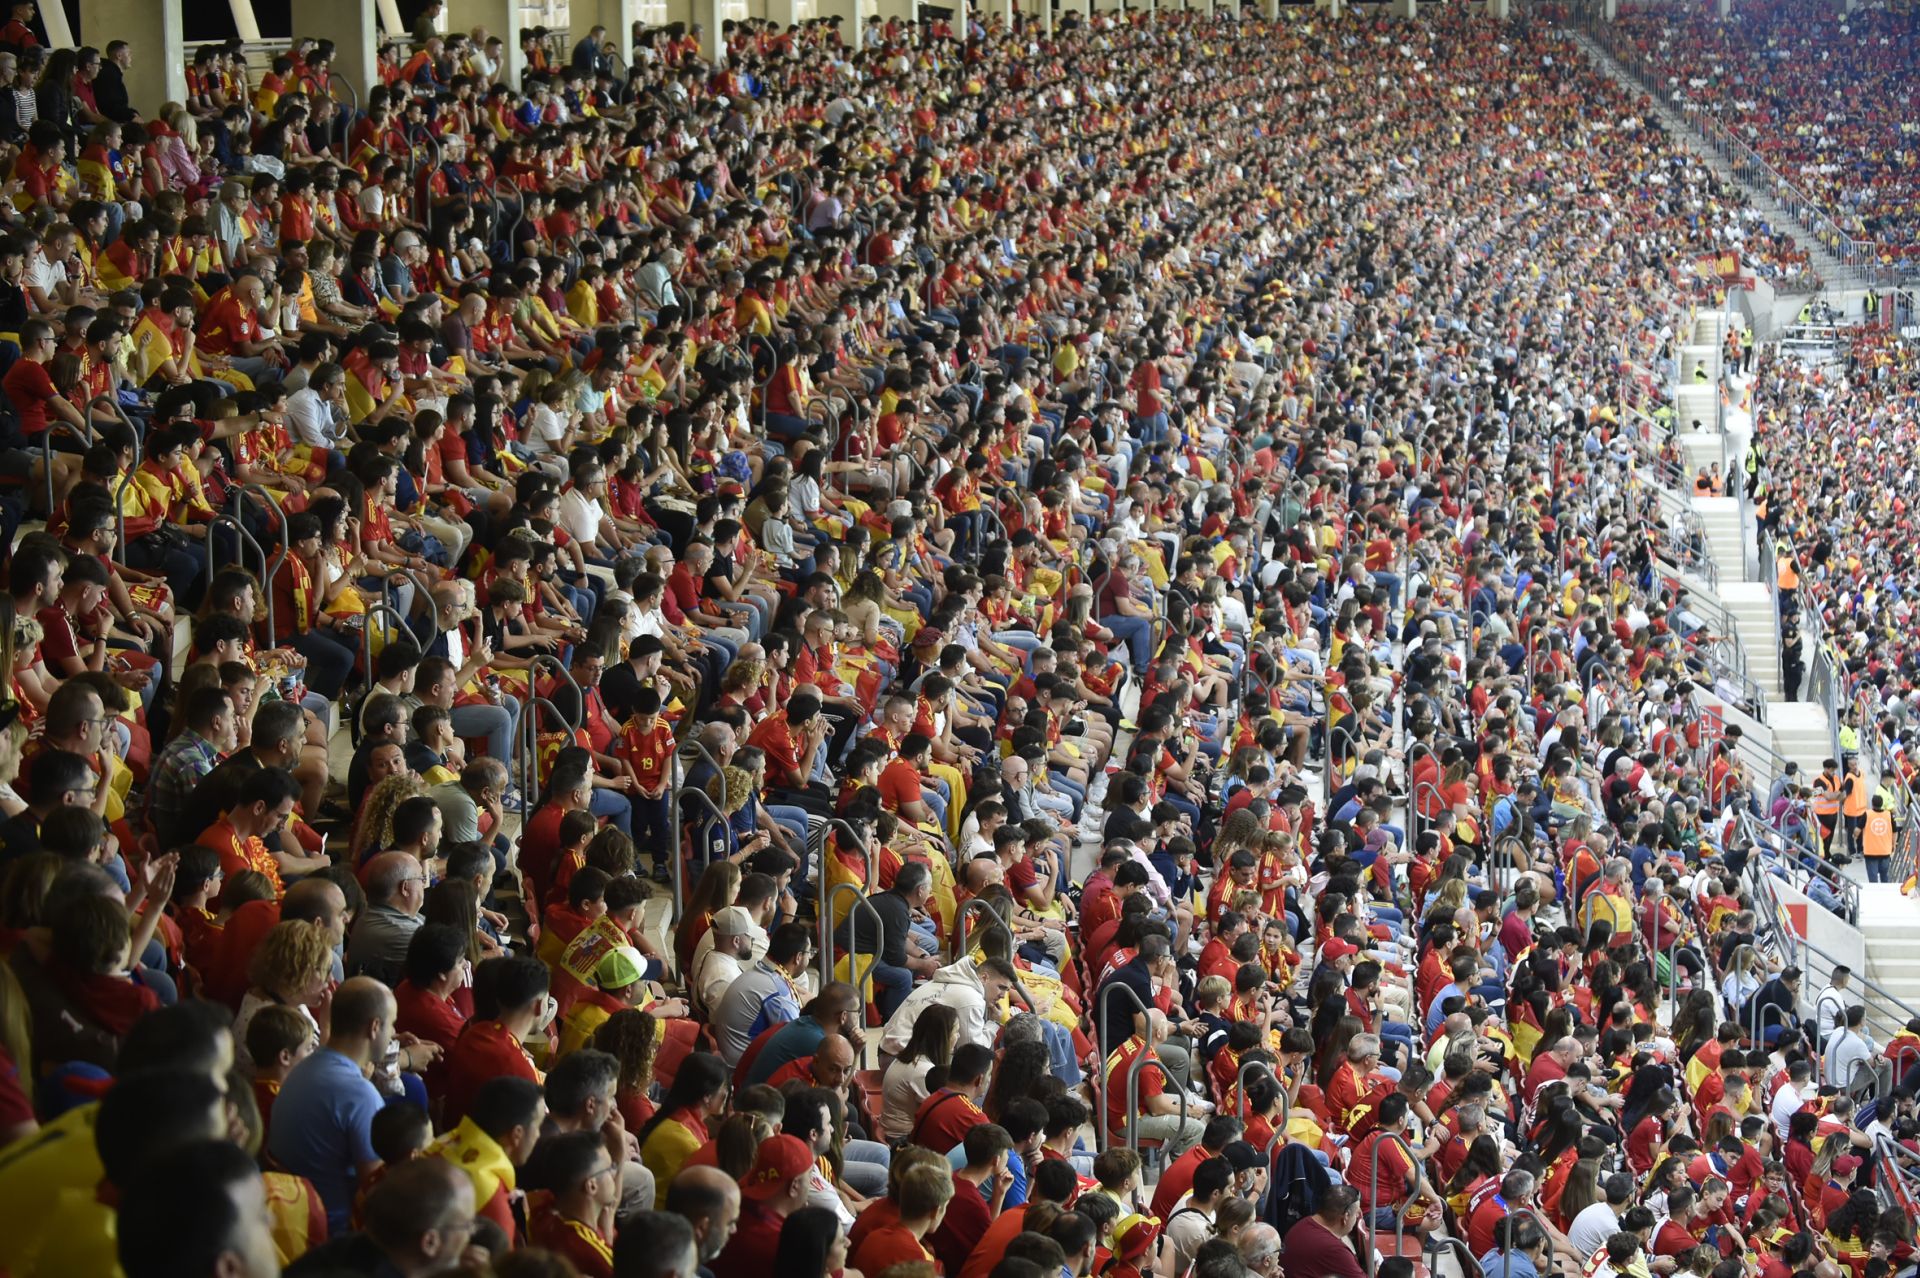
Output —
(361, 1019)
(709, 1199)
(396, 879)
(833, 1062)
(319, 901)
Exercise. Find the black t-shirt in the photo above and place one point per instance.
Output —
(618, 688)
(719, 577)
(1125, 823)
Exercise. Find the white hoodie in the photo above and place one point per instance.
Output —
(957, 986)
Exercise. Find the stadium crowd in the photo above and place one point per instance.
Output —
(1835, 534)
(1768, 76)
(1171, 585)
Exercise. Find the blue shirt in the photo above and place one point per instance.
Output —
(1434, 1014)
(323, 1129)
(1515, 1264)
(1016, 1192)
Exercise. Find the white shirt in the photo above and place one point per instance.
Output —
(715, 973)
(45, 274)
(1827, 1007)
(1186, 1228)
(545, 428)
(902, 1091)
(1592, 1227)
(1786, 1103)
(312, 420)
(581, 515)
(1848, 1053)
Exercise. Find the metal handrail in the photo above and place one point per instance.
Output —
(83, 434)
(579, 699)
(1372, 1202)
(423, 590)
(375, 609)
(269, 565)
(126, 480)
(1673, 971)
(860, 902)
(1140, 1062)
(971, 906)
(242, 539)
(846, 831)
(1887, 1011)
(499, 208)
(528, 747)
(714, 816)
(1417, 822)
(1804, 864)
(706, 756)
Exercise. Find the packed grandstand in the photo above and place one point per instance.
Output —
(936, 653)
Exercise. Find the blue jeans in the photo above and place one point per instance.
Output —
(1137, 634)
(495, 723)
(791, 819)
(1391, 582)
(891, 985)
(1059, 1041)
(614, 806)
(653, 826)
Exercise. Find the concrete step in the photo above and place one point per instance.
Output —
(1898, 935)
(1802, 733)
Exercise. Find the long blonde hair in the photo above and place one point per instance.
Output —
(181, 121)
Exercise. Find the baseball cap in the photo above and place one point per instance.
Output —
(1242, 1155)
(732, 921)
(1337, 949)
(778, 1160)
(622, 966)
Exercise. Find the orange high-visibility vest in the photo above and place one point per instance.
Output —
(1826, 796)
(1788, 578)
(1878, 838)
(1854, 788)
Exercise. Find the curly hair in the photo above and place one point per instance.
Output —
(374, 829)
(631, 1037)
(291, 957)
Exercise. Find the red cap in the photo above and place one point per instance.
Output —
(1337, 949)
(778, 1160)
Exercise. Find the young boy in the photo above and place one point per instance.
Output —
(576, 829)
(586, 897)
(647, 743)
(278, 1038)
(196, 882)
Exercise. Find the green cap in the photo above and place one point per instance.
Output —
(622, 966)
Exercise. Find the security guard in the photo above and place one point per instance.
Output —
(1853, 798)
(1876, 846)
(1787, 578)
(1826, 804)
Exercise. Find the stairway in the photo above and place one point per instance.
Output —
(1825, 264)
(1751, 605)
(1888, 921)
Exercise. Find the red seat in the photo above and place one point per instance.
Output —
(1407, 1246)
